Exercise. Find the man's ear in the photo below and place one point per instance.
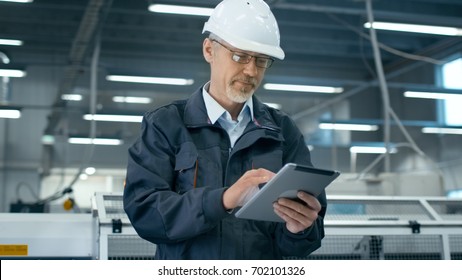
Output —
(207, 50)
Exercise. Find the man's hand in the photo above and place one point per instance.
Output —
(245, 187)
(298, 215)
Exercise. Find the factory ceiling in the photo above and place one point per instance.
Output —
(325, 42)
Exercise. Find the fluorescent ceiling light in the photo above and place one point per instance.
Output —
(112, 118)
(370, 150)
(71, 97)
(150, 80)
(95, 141)
(9, 42)
(10, 113)
(90, 170)
(182, 10)
(442, 130)
(351, 127)
(432, 95)
(457, 193)
(12, 73)
(48, 139)
(416, 28)
(132, 99)
(302, 88)
(18, 1)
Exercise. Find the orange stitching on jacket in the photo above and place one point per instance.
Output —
(195, 174)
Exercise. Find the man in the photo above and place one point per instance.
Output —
(198, 160)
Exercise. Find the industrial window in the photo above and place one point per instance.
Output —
(451, 73)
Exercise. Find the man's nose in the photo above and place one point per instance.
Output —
(251, 68)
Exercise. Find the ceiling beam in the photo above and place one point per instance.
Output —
(380, 14)
(88, 27)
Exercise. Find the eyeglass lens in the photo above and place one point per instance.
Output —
(243, 58)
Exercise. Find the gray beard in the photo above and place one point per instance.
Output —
(238, 96)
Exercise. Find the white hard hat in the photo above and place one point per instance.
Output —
(248, 25)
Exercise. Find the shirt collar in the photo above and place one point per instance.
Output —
(215, 110)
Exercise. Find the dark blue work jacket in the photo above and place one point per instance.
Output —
(179, 168)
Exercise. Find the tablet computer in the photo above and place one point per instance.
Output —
(286, 183)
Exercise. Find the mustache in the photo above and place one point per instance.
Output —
(247, 80)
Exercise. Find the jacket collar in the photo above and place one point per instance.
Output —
(195, 113)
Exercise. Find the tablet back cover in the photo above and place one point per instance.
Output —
(287, 182)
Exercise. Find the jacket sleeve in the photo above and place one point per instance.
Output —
(304, 243)
(157, 212)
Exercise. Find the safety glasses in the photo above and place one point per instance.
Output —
(244, 58)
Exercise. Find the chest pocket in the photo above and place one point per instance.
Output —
(194, 171)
